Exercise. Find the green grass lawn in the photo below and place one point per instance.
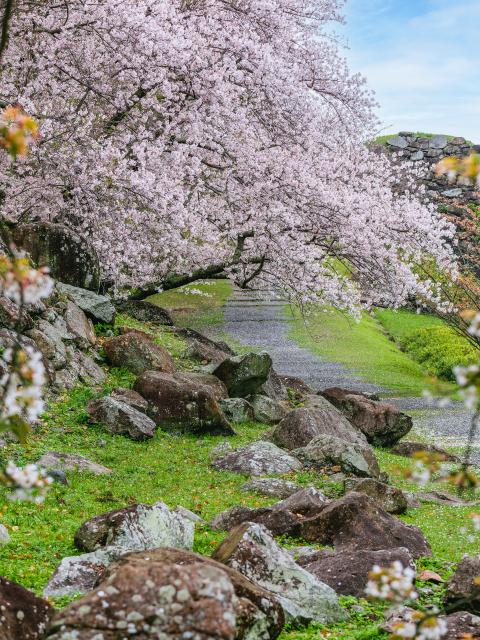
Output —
(176, 470)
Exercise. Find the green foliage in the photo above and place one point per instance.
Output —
(429, 341)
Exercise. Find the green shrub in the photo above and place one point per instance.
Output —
(439, 349)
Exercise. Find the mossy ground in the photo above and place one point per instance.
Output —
(176, 470)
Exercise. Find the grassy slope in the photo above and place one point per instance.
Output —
(176, 470)
(364, 347)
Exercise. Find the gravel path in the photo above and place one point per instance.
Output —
(257, 319)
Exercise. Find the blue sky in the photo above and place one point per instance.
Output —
(421, 58)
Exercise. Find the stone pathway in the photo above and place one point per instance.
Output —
(257, 319)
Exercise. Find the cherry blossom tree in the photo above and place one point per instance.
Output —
(197, 137)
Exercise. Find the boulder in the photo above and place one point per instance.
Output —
(145, 311)
(412, 449)
(274, 387)
(48, 339)
(98, 308)
(244, 375)
(137, 352)
(202, 352)
(297, 386)
(79, 326)
(305, 502)
(120, 418)
(257, 459)
(252, 551)
(175, 594)
(271, 487)
(131, 397)
(267, 410)
(11, 318)
(387, 497)
(356, 522)
(136, 527)
(24, 616)
(300, 426)
(326, 450)
(237, 410)
(347, 571)
(88, 370)
(54, 460)
(110, 536)
(190, 336)
(185, 403)
(383, 424)
(278, 521)
(69, 256)
(463, 588)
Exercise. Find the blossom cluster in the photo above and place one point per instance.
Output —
(20, 282)
(22, 384)
(393, 583)
(28, 483)
(420, 626)
(17, 131)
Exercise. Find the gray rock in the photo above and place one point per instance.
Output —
(11, 318)
(49, 342)
(220, 450)
(327, 450)
(244, 375)
(347, 571)
(438, 142)
(267, 410)
(389, 498)
(88, 369)
(417, 155)
(203, 352)
(112, 535)
(70, 462)
(120, 418)
(398, 142)
(79, 326)
(300, 426)
(4, 535)
(452, 193)
(189, 515)
(130, 397)
(257, 459)
(274, 387)
(252, 551)
(70, 257)
(237, 410)
(67, 378)
(271, 487)
(98, 308)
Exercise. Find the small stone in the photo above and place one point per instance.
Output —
(4, 535)
(70, 462)
(430, 576)
(257, 459)
(271, 487)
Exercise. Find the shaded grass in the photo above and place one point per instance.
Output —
(363, 347)
(192, 309)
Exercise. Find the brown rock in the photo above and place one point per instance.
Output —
(347, 571)
(138, 352)
(278, 521)
(463, 588)
(23, 615)
(130, 397)
(301, 425)
(387, 497)
(356, 522)
(430, 576)
(185, 403)
(382, 424)
(79, 325)
(298, 386)
(173, 594)
(145, 311)
(410, 449)
(305, 502)
(11, 318)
